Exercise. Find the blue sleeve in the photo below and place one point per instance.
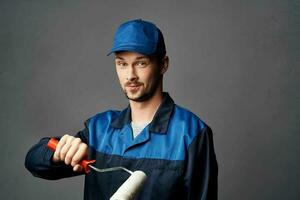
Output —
(39, 160)
(201, 175)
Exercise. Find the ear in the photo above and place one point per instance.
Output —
(164, 65)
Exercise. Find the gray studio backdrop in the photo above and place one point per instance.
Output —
(234, 63)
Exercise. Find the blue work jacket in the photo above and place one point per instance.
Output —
(175, 150)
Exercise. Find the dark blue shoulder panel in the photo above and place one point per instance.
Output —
(183, 127)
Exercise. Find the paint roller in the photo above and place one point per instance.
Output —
(128, 190)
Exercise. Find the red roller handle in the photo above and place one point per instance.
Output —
(84, 163)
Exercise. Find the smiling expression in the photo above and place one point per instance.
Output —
(139, 75)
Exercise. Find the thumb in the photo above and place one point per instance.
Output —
(77, 168)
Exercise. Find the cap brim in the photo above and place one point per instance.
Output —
(139, 49)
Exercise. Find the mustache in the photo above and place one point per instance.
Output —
(131, 84)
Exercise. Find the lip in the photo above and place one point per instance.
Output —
(133, 87)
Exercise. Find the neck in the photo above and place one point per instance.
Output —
(143, 112)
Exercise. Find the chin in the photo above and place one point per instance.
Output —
(134, 97)
(140, 98)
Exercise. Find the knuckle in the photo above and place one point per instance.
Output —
(65, 136)
(67, 158)
(63, 150)
(77, 140)
(70, 138)
(84, 145)
(62, 154)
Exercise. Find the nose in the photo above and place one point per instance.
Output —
(131, 75)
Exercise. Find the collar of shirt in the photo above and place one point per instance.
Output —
(160, 121)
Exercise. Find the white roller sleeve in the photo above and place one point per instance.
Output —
(130, 187)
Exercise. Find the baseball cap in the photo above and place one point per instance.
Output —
(139, 36)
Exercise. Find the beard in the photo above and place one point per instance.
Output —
(145, 94)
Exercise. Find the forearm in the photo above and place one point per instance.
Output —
(202, 169)
(39, 159)
(39, 162)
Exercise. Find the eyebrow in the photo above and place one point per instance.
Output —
(118, 57)
(138, 58)
(141, 57)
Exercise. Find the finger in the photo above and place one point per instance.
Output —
(61, 143)
(80, 154)
(77, 168)
(72, 150)
(65, 148)
(55, 158)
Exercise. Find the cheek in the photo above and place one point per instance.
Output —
(121, 78)
(144, 77)
(150, 79)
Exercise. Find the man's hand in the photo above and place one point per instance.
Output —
(70, 150)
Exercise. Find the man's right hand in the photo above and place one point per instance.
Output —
(71, 151)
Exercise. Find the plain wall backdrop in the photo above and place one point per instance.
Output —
(234, 63)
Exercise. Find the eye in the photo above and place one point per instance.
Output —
(141, 63)
(121, 64)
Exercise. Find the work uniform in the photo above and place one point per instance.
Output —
(175, 151)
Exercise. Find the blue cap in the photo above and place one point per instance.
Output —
(139, 36)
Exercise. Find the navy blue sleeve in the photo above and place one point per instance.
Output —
(39, 160)
(201, 175)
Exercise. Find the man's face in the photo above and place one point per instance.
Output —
(139, 75)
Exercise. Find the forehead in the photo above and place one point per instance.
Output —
(128, 55)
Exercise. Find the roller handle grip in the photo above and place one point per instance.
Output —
(84, 163)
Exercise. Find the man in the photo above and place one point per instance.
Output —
(167, 142)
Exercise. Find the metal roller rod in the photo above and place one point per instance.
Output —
(110, 169)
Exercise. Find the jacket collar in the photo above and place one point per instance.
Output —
(160, 121)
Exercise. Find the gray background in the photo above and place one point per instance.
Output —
(234, 63)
